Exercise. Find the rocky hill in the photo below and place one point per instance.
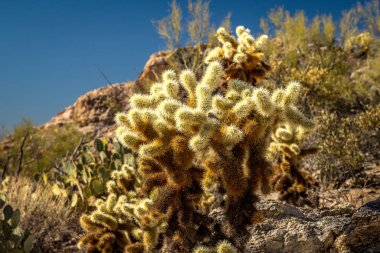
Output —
(94, 111)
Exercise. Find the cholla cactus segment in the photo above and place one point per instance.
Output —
(213, 75)
(296, 118)
(121, 118)
(169, 75)
(225, 247)
(242, 56)
(189, 82)
(204, 249)
(291, 93)
(263, 103)
(123, 220)
(239, 85)
(289, 179)
(284, 137)
(260, 42)
(221, 247)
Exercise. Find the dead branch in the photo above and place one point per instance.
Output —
(21, 154)
(5, 168)
(74, 154)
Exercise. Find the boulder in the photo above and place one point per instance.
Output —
(286, 228)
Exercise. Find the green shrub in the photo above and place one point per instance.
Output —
(309, 52)
(43, 147)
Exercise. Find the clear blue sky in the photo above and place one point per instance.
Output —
(49, 48)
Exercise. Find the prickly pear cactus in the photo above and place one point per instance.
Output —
(83, 178)
(12, 239)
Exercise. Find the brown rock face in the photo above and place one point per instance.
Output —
(94, 111)
(157, 63)
(177, 59)
(286, 228)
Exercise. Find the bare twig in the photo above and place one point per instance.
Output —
(104, 75)
(73, 155)
(21, 154)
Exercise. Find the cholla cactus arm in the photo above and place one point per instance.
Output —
(239, 85)
(221, 247)
(241, 56)
(189, 82)
(260, 42)
(170, 83)
(121, 221)
(264, 105)
(204, 249)
(285, 101)
(225, 37)
(225, 247)
(214, 55)
(289, 180)
(212, 76)
(296, 118)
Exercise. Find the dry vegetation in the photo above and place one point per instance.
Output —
(49, 218)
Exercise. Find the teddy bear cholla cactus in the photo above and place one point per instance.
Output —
(221, 247)
(183, 144)
(124, 221)
(289, 179)
(241, 57)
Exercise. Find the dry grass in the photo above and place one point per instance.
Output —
(47, 217)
